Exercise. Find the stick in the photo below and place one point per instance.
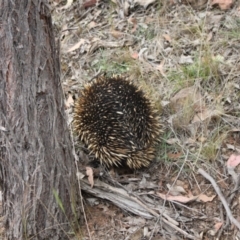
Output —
(220, 195)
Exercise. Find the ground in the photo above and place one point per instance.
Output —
(185, 56)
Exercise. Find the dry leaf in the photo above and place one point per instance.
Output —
(126, 6)
(167, 37)
(133, 21)
(205, 198)
(80, 175)
(185, 59)
(69, 101)
(117, 34)
(3, 128)
(223, 4)
(202, 139)
(207, 114)
(235, 130)
(218, 225)
(90, 3)
(210, 36)
(175, 190)
(104, 208)
(233, 161)
(145, 232)
(181, 199)
(172, 155)
(77, 45)
(134, 55)
(188, 95)
(91, 25)
(230, 146)
(171, 141)
(135, 221)
(180, 183)
(89, 173)
(149, 19)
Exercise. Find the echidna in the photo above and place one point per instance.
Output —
(117, 122)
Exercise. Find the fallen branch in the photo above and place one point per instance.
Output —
(128, 202)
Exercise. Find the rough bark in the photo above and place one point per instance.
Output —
(37, 166)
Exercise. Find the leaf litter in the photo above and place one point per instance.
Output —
(185, 55)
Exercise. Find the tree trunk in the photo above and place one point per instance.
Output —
(37, 167)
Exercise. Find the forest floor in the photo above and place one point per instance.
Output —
(185, 56)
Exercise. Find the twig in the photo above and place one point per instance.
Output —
(220, 195)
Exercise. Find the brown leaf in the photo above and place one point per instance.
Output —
(172, 141)
(117, 34)
(205, 198)
(167, 37)
(188, 95)
(90, 3)
(218, 225)
(69, 101)
(172, 155)
(76, 45)
(175, 190)
(223, 4)
(134, 55)
(91, 25)
(210, 36)
(133, 21)
(233, 161)
(207, 114)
